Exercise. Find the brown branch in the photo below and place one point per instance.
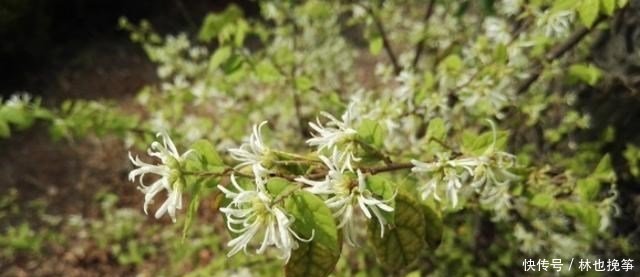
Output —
(302, 127)
(370, 170)
(387, 168)
(556, 53)
(385, 40)
(420, 45)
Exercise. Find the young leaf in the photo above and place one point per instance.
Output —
(587, 214)
(609, 6)
(437, 129)
(215, 22)
(402, 244)
(604, 171)
(588, 11)
(476, 144)
(221, 55)
(205, 159)
(384, 189)
(371, 133)
(267, 72)
(586, 73)
(453, 63)
(193, 208)
(375, 45)
(541, 200)
(277, 186)
(588, 188)
(318, 257)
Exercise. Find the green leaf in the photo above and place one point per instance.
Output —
(500, 54)
(541, 200)
(473, 144)
(587, 214)
(609, 6)
(277, 186)
(18, 116)
(221, 55)
(193, 208)
(622, 3)
(205, 159)
(384, 190)
(318, 257)
(437, 129)
(604, 171)
(561, 5)
(375, 45)
(402, 244)
(372, 133)
(215, 22)
(232, 65)
(207, 153)
(453, 63)
(5, 131)
(586, 73)
(267, 72)
(588, 188)
(303, 83)
(588, 10)
(632, 155)
(433, 227)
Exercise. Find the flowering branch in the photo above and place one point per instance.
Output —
(556, 53)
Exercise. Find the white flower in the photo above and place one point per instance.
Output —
(254, 153)
(556, 23)
(335, 133)
(496, 30)
(18, 100)
(450, 172)
(493, 170)
(492, 167)
(408, 83)
(345, 196)
(489, 172)
(252, 213)
(510, 7)
(170, 176)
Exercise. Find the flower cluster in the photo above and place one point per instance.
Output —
(346, 193)
(488, 174)
(337, 136)
(254, 153)
(253, 213)
(170, 172)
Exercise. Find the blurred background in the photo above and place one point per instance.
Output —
(75, 49)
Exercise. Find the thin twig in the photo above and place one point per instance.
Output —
(556, 53)
(420, 45)
(385, 40)
(390, 167)
(375, 151)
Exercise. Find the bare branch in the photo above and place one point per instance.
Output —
(385, 40)
(420, 45)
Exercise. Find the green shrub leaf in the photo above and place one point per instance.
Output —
(318, 257)
(402, 244)
(372, 133)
